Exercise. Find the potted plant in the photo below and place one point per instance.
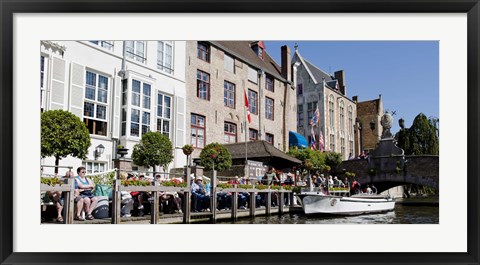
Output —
(187, 149)
(121, 150)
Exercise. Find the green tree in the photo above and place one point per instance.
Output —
(333, 159)
(420, 139)
(63, 134)
(217, 154)
(154, 149)
(311, 158)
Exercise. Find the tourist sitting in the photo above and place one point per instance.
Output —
(139, 198)
(86, 186)
(369, 190)
(199, 191)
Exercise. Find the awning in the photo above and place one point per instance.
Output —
(297, 139)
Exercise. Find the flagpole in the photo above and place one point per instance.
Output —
(247, 173)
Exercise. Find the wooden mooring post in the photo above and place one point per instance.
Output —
(116, 201)
(234, 205)
(155, 206)
(252, 203)
(187, 199)
(281, 203)
(268, 202)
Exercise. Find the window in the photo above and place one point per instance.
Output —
(253, 102)
(269, 138)
(252, 134)
(42, 82)
(260, 52)
(299, 89)
(252, 75)
(342, 147)
(350, 146)
(164, 113)
(311, 107)
(136, 50)
(331, 112)
(203, 51)
(269, 83)
(300, 115)
(350, 120)
(94, 167)
(332, 143)
(229, 63)
(108, 45)
(140, 112)
(269, 108)
(228, 94)
(230, 133)
(95, 103)
(124, 106)
(198, 130)
(342, 116)
(165, 56)
(203, 85)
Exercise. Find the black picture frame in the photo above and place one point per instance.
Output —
(11, 7)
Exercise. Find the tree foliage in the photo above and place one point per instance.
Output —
(217, 154)
(316, 160)
(154, 149)
(63, 134)
(333, 159)
(421, 138)
(311, 158)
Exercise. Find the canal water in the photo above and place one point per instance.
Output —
(403, 214)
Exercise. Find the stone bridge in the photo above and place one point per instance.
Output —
(420, 170)
(387, 167)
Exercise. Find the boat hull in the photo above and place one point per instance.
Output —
(337, 205)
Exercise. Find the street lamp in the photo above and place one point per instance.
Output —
(401, 123)
(98, 151)
(360, 128)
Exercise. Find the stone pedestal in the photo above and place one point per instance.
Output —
(123, 164)
(387, 157)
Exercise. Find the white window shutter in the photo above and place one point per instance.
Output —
(77, 86)
(180, 121)
(57, 97)
(252, 75)
(116, 108)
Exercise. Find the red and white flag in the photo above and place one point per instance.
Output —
(248, 108)
(320, 141)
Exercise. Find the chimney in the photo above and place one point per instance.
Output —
(286, 63)
(355, 99)
(340, 77)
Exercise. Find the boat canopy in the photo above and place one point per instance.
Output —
(296, 139)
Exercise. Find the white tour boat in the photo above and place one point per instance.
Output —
(338, 202)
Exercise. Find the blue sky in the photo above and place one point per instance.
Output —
(404, 72)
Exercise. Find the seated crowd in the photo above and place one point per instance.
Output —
(138, 203)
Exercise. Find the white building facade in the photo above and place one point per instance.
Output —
(337, 111)
(120, 90)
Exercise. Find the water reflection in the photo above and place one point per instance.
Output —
(401, 215)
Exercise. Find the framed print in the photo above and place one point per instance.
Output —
(451, 28)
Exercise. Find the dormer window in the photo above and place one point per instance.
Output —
(259, 48)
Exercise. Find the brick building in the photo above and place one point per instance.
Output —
(218, 74)
(369, 114)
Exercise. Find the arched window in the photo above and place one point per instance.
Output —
(350, 120)
(331, 111)
(342, 116)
